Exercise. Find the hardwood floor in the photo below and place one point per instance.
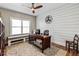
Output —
(71, 53)
(53, 49)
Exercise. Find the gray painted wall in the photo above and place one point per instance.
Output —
(65, 23)
(6, 16)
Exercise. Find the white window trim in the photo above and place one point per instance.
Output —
(21, 26)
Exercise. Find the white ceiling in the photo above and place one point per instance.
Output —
(23, 7)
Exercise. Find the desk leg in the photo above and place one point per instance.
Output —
(42, 50)
(49, 43)
(42, 46)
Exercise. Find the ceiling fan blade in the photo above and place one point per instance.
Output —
(40, 6)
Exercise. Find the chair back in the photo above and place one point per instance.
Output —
(76, 38)
(46, 32)
(37, 31)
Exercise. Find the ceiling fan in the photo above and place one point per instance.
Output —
(33, 7)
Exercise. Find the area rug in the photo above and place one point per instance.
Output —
(26, 49)
(55, 51)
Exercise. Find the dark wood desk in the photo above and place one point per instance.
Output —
(46, 40)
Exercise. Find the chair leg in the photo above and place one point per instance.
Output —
(77, 49)
(69, 48)
(66, 45)
(74, 49)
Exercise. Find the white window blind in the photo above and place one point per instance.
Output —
(19, 26)
(26, 25)
(16, 26)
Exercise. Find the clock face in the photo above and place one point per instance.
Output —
(48, 19)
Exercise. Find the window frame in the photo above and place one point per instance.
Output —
(21, 26)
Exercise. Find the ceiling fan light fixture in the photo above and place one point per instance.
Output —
(33, 9)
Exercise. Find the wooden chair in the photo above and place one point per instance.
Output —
(73, 44)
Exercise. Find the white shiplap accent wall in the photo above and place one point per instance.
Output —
(65, 23)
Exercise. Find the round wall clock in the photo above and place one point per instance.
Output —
(48, 19)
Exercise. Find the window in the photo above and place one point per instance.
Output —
(16, 26)
(19, 26)
(0, 19)
(26, 26)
